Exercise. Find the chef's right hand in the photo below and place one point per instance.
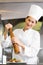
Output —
(8, 26)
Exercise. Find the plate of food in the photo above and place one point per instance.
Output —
(15, 61)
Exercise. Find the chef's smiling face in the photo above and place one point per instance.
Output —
(29, 22)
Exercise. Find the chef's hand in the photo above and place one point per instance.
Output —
(8, 26)
(16, 40)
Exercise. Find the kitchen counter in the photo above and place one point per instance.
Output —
(21, 64)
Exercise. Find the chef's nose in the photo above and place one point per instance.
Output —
(30, 23)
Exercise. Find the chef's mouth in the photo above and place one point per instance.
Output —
(28, 25)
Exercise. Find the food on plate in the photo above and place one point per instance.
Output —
(15, 60)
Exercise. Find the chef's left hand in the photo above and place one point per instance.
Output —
(16, 40)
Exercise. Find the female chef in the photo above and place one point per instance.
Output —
(27, 38)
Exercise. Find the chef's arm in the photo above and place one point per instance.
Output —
(6, 39)
(6, 42)
(33, 49)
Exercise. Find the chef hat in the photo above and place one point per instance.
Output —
(35, 12)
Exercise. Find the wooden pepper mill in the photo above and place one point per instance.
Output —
(15, 45)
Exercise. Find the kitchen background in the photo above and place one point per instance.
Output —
(15, 13)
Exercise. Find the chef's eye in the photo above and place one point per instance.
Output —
(32, 21)
(29, 20)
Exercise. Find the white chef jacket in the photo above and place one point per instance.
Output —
(31, 40)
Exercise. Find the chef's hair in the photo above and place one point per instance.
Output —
(29, 16)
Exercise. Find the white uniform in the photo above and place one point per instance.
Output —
(31, 40)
